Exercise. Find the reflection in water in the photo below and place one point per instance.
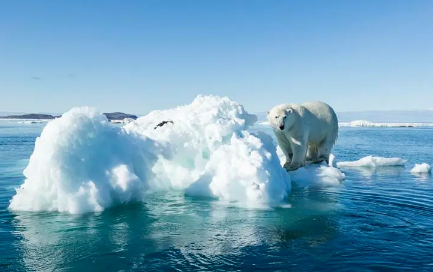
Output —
(53, 241)
(422, 176)
(313, 217)
(200, 230)
(371, 172)
(312, 230)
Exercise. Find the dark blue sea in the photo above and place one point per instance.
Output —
(379, 220)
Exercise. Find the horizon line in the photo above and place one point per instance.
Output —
(6, 113)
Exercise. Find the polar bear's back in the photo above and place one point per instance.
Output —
(322, 119)
(321, 110)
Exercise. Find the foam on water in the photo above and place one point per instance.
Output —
(83, 163)
(373, 162)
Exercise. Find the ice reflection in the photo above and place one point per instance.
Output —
(370, 172)
(202, 229)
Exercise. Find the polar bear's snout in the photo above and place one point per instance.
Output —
(277, 118)
(282, 121)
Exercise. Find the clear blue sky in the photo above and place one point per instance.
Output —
(136, 56)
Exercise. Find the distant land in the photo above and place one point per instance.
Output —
(33, 116)
(111, 116)
(119, 116)
(9, 113)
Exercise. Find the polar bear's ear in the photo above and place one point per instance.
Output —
(289, 111)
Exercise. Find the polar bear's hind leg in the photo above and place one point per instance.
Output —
(312, 152)
(324, 151)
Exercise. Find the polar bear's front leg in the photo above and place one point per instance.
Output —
(288, 153)
(299, 148)
(285, 147)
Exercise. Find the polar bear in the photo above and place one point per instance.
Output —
(305, 132)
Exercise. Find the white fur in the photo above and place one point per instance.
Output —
(306, 131)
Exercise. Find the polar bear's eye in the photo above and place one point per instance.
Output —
(276, 117)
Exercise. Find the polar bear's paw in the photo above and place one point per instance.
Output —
(321, 159)
(318, 160)
(292, 166)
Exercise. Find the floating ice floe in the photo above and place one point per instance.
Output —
(373, 162)
(422, 168)
(31, 121)
(315, 174)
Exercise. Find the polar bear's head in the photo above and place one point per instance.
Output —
(281, 117)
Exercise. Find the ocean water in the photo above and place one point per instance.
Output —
(376, 220)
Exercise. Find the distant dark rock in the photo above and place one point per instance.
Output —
(30, 116)
(119, 116)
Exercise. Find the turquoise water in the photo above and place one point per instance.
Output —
(376, 220)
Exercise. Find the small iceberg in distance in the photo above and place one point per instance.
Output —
(422, 168)
(364, 123)
(373, 162)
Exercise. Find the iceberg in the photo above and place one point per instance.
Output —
(83, 163)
